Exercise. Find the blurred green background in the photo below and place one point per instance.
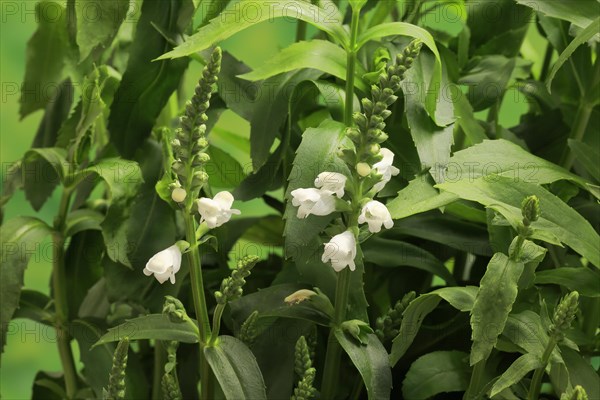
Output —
(31, 347)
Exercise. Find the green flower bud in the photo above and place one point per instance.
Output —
(577, 393)
(564, 314)
(248, 330)
(530, 209)
(231, 287)
(204, 158)
(116, 378)
(388, 325)
(170, 388)
(175, 310)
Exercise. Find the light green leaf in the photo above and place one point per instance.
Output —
(495, 297)
(223, 170)
(81, 220)
(98, 23)
(151, 326)
(236, 369)
(586, 34)
(46, 56)
(371, 360)
(467, 121)
(418, 197)
(318, 54)
(516, 372)
(579, 12)
(558, 223)
(405, 29)
(437, 372)
(18, 236)
(461, 298)
(526, 330)
(581, 279)
(221, 28)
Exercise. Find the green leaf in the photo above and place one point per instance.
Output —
(579, 12)
(495, 297)
(437, 372)
(394, 253)
(487, 78)
(467, 121)
(318, 54)
(151, 326)
(46, 56)
(418, 197)
(516, 372)
(586, 34)
(405, 29)
(236, 369)
(42, 170)
(36, 306)
(146, 86)
(581, 372)
(588, 156)
(98, 362)
(271, 111)
(81, 220)
(461, 298)
(371, 360)
(581, 279)
(18, 236)
(237, 20)
(526, 330)
(558, 223)
(433, 143)
(98, 23)
(223, 170)
(57, 110)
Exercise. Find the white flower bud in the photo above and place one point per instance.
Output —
(375, 214)
(363, 169)
(385, 168)
(341, 251)
(299, 296)
(216, 211)
(178, 195)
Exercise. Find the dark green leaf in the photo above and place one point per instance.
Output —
(371, 360)
(18, 236)
(437, 372)
(151, 326)
(587, 156)
(579, 12)
(236, 369)
(36, 306)
(487, 78)
(47, 53)
(82, 220)
(43, 170)
(495, 297)
(146, 86)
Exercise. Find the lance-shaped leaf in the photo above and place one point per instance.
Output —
(516, 372)
(236, 369)
(582, 279)
(437, 372)
(98, 23)
(371, 360)
(585, 12)
(317, 54)
(152, 326)
(495, 297)
(19, 237)
(236, 18)
(42, 170)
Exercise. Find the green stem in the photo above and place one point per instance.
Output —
(197, 284)
(476, 377)
(159, 362)
(334, 350)
(414, 12)
(59, 286)
(536, 381)
(300, 31)
(546, 64)
(350, 68)
(217, 322)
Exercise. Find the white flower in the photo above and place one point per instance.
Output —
(331, 182)
(299, 296)
(341, 251)
(164, 264)
(216, 211)
(385, 168)
(313, 201)
(375, 214)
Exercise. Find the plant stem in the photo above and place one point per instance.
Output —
(197, 283)
(59, 286)
(350, 67)
(218, 314)
(159, 362)
(536, 381)
(475, 384)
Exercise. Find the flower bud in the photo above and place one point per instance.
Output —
(178, 195)
(200, 178)
(175, 143)
(363, 169)
(530, 208)
(357, 329)
(174, 309)
(299, 296)
(564, 314)
(203, 158)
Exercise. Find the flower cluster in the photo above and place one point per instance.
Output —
(371, 165)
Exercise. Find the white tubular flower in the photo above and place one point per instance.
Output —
(164, 264)
(375, 214)
(385, 168)
(313, 201)
(341, 251)
(216, 211)
(331, 182)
